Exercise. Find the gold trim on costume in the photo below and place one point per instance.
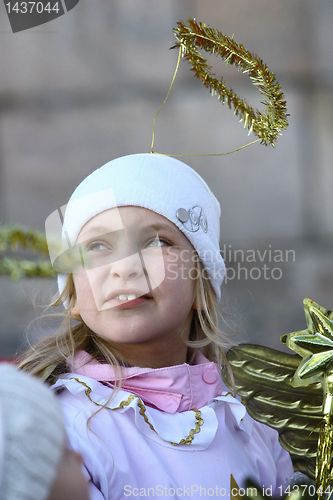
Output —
(187, 440)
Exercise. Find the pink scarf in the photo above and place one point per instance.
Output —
(172, 389)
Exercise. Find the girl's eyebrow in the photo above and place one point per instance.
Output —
(94, 231)
(103, 230)
(158, 227)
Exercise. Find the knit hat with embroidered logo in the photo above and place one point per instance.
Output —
(32, 436)
(161, 184)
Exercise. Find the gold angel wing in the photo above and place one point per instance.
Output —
(262, 377)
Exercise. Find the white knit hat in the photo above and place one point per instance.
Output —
(161, 184)
(33, 436)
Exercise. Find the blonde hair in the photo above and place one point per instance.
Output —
(48, 358)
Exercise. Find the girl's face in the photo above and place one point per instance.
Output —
(137, 286)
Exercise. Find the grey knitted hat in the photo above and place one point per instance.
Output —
(32, 436)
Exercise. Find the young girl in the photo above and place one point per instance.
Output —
(138, 377)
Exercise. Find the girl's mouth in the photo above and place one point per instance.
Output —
(127, 300)
(131, 296)
(128, 304)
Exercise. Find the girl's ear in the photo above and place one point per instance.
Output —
(75, 310)
(198, 303)
(195, 304)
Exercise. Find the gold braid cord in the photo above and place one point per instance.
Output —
(267, 125)
(187, 440)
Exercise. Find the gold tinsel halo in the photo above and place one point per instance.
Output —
(265, 125)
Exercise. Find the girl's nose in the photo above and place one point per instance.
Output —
(128, 268)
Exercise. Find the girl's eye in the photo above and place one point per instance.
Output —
(157, 243)
(96, 246)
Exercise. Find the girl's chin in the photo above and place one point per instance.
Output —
(133, 332)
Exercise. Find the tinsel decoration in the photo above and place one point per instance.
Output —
(267, 125)
(12, 238)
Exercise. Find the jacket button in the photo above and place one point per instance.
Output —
(209, 377)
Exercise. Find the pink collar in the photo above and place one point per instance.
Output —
(171, 389)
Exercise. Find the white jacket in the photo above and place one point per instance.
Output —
(127, 446)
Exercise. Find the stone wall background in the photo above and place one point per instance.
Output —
(84, 88)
